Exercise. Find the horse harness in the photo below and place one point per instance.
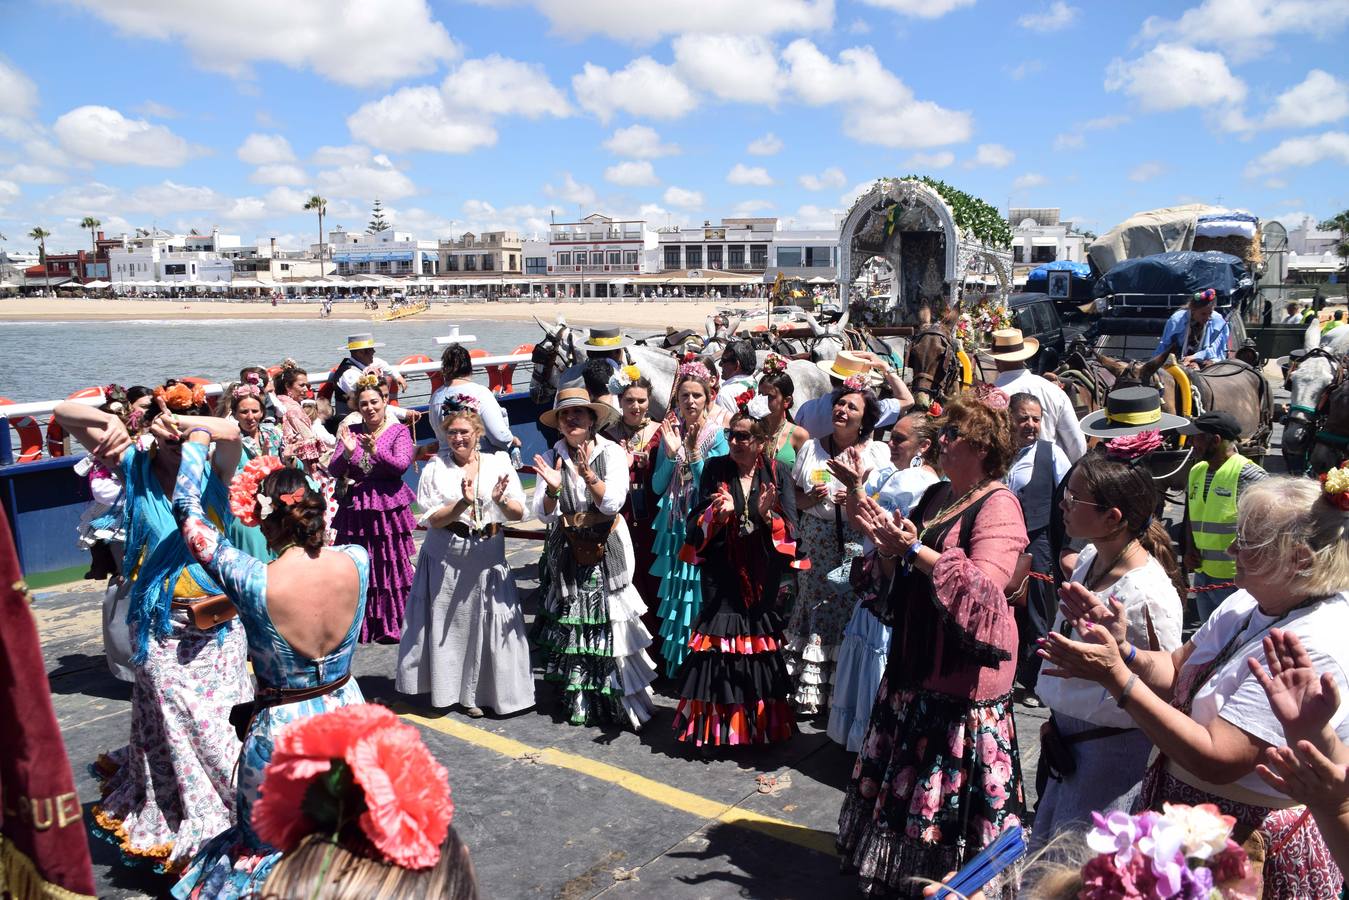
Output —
(939, 383)
(1318, 418)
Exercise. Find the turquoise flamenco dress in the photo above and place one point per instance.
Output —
(246, 538)
(236, 862)
(675, 482)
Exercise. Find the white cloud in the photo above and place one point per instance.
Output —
(1174, 76)
(625, 20)
(415, 118)
(740, 67)
(1057, 17)
(1028, 181)
(366, 181)
(1300, 152)
(878, 107)
(1319, 99)
(1146, 171)
(643, 87)
(939, 160)
(768, 145)
(920, 9)
(755, 175)
(265, 149)
(747, 208)
(830, 178)
(349, 42)
(682, 198)
(496, 85)
(1247, 28)
(278, 173)
(639, 142)
(856, 191)
(340, 156)
(95, 198)
(155, 110)
(9, 192)
(1076, 139)
(1069, 140)
(995, 156)
(35, 173)
(814, 218)
(571, 191)
(18, 93)
(859, 26)
(631, 173)
(1022, 69)
(103, 134)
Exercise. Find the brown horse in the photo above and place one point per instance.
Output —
(933, 365)
(1085, 378)
(1331, 442)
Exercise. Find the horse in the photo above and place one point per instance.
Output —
(1084, 378)
(1307, 382)
(933, 365)
(1330, 446)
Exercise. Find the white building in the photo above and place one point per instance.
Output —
(180, 258)
(1039, 237)
(596, 256)
(268, 264)
(754, 245)
(388, 252)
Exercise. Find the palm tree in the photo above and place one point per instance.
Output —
(1340, 223)
(40, 235)
(89, 223)
(320, 205)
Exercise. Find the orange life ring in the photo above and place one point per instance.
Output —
(56, 435)
(30, 435)
(434, 376)
(505, 373)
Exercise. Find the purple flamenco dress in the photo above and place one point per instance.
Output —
(376, 514)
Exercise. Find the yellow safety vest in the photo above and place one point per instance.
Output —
(1213, 518)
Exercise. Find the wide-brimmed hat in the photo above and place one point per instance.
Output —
(1009, 346)
(572, 397)
(364, 341)
(1218, 421)
(606, 339)
(1130, 410)
(454, 337)
(848, 364)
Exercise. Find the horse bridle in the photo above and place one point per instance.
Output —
(1314, 418)
(937, 384)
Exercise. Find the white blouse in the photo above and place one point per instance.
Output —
(814, 458)
(442, 484)
(615, 488)
(1147, 594)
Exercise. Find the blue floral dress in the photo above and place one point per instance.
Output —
(236, 862)
(675, 482)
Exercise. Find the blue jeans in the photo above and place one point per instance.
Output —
(1207, 601)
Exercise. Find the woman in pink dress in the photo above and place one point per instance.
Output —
(376, 512)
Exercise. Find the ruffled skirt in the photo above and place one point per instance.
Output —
(594, 649)
(819, 617)
(734, 687)
(464, 641)
(386, 534)
(937, 779)
(171, 789)
(861, 663)
(681, 590)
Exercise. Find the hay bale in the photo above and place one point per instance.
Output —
(1246, 250)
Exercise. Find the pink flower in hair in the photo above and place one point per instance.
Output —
(988, 395)
(855, 383)
(1132, 446)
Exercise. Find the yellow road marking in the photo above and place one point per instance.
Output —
(703, 808)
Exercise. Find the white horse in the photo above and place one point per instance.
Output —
(1308, 381)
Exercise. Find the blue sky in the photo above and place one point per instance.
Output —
(498, 113)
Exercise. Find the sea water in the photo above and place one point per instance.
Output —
(50, 360)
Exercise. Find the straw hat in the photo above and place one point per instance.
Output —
(1010, 346)
(606, 339)
(1130, 410)
(572, 397)
(364, 341)
(847, 364)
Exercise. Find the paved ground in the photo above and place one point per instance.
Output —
(548, 810)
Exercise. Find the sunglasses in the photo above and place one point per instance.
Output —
(739, 437)
(1072, 499)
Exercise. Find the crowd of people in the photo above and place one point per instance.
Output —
(900, 577)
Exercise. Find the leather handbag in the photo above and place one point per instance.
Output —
(586, 534)
(208, 612)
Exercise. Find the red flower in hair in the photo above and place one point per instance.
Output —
(934, 410)
(244, 488)
(294, 496)
(744, 397)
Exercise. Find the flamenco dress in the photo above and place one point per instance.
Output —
(733, 685)
(171, 788)
(300, 445)
(235, 863)
(675, 482)
(376, 514)
(589, 628)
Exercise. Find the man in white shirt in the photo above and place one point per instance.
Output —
(1059, 423)
(737, 373)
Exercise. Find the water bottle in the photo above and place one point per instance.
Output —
(516, 461)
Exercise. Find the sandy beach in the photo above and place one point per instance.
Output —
(650, 315)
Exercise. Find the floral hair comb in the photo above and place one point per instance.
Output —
(774, 364)
(1335, 484)
(245, 502)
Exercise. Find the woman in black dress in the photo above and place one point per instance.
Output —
(734, 687)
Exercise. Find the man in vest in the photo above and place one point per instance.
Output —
(1036, 471)
(360, 354)
(1215, 487)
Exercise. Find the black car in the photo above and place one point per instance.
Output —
(1037, 317)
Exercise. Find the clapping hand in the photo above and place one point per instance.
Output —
(891, 533)
(470, 491)
(669, 438)
(580, 463)
(550, 474)
(723, 504)
(499, 489)
(847, 468)
(768, 500)
(1078, 603)
(1093, 658)
(346, 439)
(1303, 703)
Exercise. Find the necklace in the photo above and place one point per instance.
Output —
(952, 507)
(284, 547)
(1091, 580)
